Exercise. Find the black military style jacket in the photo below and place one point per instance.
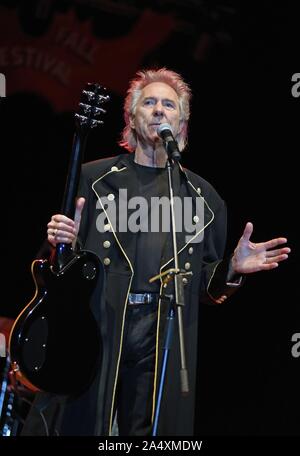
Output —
(106, 184)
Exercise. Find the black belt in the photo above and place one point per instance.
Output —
(142, 298)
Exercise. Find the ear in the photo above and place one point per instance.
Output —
(131, 122)
(181, 126)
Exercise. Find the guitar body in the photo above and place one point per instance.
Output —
(55, 344)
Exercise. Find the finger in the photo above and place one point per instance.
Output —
(61, 234)
(61, 227)
(77, 218)
(247, 231)
(52, 241)
(79, 207)
(273, 253)
(273, 243)
(59, 218)
(64, 239)
(51, 232)
(277, 258)
(51, 238)
(268, 266)
(80, 203)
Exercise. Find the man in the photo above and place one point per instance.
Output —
(129, 309)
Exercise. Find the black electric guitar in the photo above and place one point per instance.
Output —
(55, 344)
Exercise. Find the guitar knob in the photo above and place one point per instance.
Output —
(89, 270)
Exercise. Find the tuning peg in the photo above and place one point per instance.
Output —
(103, 98)
(89, 94)
(95, 123)
(85, 107)
(92, 96)
(98, 111)
(82, 119)
(94, 86)
(94, 110)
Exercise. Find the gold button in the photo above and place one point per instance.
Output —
(114, 168)
(110, 197)
(199, 190)
(191, 250)
(187, 266)
(196, 218)
(184, 280)
(107, 227)
(106, 261)
(106, 244)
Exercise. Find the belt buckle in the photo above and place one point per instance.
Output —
(140, 298)
(130, 299)
(147, 298)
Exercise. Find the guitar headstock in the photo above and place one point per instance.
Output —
(93, 97)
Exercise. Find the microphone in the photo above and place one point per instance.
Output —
(165, 132)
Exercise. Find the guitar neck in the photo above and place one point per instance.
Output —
(64, 252)
(72, 182)
(92, 99)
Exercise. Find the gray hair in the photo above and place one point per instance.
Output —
(142, 79)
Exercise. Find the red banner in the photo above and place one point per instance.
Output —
(58, 64)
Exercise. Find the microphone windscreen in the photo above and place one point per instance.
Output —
(164, 127)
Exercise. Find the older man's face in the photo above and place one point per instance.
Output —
(157, 104)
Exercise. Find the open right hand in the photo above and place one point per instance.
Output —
(62, 229)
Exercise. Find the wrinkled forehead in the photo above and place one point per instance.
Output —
(159, 90)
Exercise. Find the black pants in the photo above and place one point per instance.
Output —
(136, 377)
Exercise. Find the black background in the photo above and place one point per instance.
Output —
(243, 139)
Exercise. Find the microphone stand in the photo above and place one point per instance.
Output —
(176, 301)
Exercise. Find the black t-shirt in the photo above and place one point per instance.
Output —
(152, 184)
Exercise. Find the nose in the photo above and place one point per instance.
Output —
(158, 109)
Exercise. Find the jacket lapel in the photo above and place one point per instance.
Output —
(195, 220)
(117, 185)
(114, 188)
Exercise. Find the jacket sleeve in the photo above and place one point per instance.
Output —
(215, 287)
(85, 191)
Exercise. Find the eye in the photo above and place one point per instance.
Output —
(149, 102)
(169, 104)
